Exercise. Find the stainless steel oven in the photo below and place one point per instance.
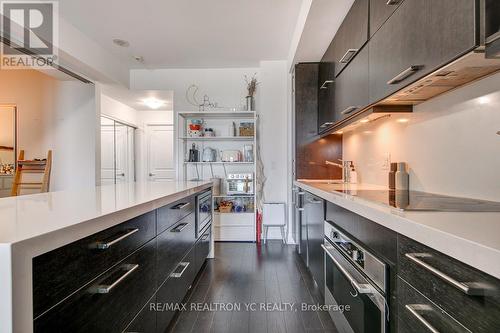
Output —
(203, 211)
(355, 285)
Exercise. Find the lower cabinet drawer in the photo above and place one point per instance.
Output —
(417, 314)
(173, 291)
(61, 272)
(173, 244)
(145, 321)
(174, 212)
(202, 248)
(108, 303)
(468, 295)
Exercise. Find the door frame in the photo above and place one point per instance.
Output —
(147, 132)
(131, 146)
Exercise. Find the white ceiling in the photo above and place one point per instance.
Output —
(188, 33)
(135, 98)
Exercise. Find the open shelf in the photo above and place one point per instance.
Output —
(218, 114)
(234, 196)
(218, 138)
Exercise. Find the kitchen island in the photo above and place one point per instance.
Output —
(35, 226)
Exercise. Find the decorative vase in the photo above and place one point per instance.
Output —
(250, 103)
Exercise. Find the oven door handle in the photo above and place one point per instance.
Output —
(362, 288)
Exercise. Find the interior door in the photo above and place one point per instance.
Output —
(160, 142)
(121, 140)
(107, 154)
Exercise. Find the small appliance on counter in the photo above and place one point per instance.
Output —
(240, 183)
(209, 155)
(231, 156)
(194, 155)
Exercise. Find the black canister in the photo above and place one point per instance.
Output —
(392, 176)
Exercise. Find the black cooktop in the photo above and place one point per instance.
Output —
(422, 201)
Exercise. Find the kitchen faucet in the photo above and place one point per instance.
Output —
(346, 167)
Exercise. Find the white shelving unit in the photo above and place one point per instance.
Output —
(232, 226)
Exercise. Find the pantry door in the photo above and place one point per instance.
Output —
(160, 152)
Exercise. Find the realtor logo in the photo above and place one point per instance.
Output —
(30, 34)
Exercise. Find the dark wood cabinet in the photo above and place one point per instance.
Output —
(173, 213)
(59, 273)
(416, 313)
(108, 303)
(326, 96)
(145, 321)
(380, 11)
(202, 248)
(420, 37)
(305, 87)
(478, 308)
(350, 38)
(351, 87)
(173, 244)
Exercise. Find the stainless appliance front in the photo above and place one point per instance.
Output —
(355, 285)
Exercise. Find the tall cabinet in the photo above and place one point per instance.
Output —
(232, 133)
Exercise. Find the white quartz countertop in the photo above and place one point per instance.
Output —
(473, 238)
(27, 217)
(35, 224)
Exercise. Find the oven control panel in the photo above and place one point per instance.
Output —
(347, 246)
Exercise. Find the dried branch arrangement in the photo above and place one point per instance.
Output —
(251, 85)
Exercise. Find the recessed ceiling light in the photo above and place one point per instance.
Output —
(121, 42)
(153, 103)
(483, 100)
(403, 120)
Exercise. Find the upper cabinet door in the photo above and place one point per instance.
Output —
(306, 103)
(326, 96)
(421, 36)
(351, 36)
(351, 87)
(380, 11)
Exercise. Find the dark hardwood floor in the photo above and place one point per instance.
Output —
(245, 274)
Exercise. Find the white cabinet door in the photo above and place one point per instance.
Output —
(160, 152)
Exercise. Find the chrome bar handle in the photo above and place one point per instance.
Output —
(393, 2)
(362, 288)
(348, 56)
(405, 74)
(180, 227)
(105, 289)
(325, 84)
(468, 288)
(107, 245)
(414, 310)
(314, 201)
(178, 275)
(181, 206)
(349, 110)
(328, 123)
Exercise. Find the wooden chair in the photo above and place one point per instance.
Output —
(23, 167)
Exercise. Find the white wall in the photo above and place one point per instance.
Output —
(450, 144)
(118, 111)
(57, 115)
(226, 86)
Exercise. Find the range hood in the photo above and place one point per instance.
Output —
(469, 68)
